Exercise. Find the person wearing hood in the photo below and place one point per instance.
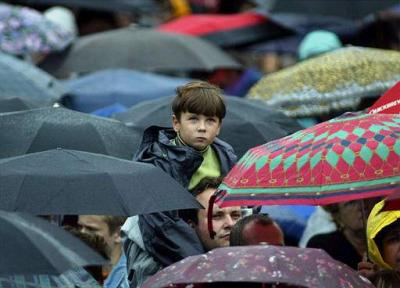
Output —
(383, 234)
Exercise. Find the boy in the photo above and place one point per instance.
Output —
(189, 152)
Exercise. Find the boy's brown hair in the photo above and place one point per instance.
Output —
(199, 97)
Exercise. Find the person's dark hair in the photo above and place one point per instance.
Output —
(199, 97)
(95, 242)
(381, 234)
(236, 236)
(190, 215)
(114, 222)
(387, 279)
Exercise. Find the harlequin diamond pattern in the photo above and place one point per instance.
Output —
(346, 153)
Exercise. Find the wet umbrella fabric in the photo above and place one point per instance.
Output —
(303, 24)
(140, 49)
(227, 30)
(388, 103)
(354, 9)
(347, 158)
(21, 79)
(333, 81)
(25, 31)
(12, 104)
(49, 128)
(247, 123)
(34, 246)
(126, 87)
(74, 183)
(101, 5)
(305, 267)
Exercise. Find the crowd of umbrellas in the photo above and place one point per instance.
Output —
(70, 125)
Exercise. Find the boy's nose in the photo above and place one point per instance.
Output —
(202, 126)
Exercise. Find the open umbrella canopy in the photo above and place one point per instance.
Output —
(301, 267)
(25, 31)
(49, 128)
(123, 86)
(30, 245)
(302, 24)
(388, 103)
(140, 49)
(247, 123)
(354, 9)
(21, 79)
(227, 30)
(74, 182)
(11, 104)
(333, 81)
(101, 5)
(347, 158)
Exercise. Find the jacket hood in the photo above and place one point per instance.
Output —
(378, 220)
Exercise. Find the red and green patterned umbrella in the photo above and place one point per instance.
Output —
(347, 158)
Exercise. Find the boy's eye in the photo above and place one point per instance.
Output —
(211, 120)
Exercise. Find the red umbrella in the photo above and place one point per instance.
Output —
(300, 267)
(347, 158)
(392, 202)
(388, 103)
(227, 30)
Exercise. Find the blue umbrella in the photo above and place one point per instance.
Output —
(108, 111)
(126, 87)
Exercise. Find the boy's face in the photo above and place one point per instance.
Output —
(196, 130)
(391, 248)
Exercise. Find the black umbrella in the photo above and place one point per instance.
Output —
(74, 182)
(49, 128)
(140, 49)
(30, 245)
(247, 123)
(11, 104)
(101, 5)
(21, 79)
(354, 9)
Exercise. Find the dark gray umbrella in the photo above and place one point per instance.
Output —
(75, 182)
(21, 79)
(247, 123)
(11, 104)
(101, 5)
(30, 245)
(140, 49)
(49, 128)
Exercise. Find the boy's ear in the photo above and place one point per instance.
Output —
(175, 123)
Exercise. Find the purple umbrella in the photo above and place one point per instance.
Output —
(304, 267)
(25, 31)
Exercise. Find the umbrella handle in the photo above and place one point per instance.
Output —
(364, 226)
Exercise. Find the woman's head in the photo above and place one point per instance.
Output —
(349, 215)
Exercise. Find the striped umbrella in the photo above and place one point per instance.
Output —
(347, 158)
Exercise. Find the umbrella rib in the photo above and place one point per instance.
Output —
(122, 201)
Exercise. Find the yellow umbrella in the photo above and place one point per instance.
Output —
(332, 81)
